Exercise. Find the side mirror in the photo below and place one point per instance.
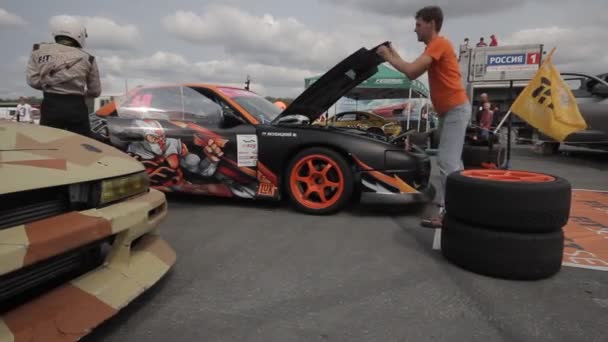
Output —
(600, 89)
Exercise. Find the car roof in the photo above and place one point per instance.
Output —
(197, 85)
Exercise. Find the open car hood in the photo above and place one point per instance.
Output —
(334, 84)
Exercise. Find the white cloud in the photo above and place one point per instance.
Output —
(8, 19)
(577, 49)
(104, 33)
(167, 67)
(159, 62)
(450, 8)
(264, 39)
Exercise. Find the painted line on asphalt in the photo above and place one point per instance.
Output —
(589, 267)
(437, 239)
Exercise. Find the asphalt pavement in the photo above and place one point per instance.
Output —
(255, 271)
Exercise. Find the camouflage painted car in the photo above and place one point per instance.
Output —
(79, 232)
(365, 121)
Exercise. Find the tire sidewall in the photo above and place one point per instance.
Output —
(509, 206)
(505, 255)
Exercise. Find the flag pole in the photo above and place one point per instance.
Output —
(502, 122)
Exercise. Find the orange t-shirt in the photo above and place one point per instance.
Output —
(445, 81)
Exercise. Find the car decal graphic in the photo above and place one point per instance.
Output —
(393, 181)
(375, 187)
(265, 171)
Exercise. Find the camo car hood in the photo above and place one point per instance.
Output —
(33, 156)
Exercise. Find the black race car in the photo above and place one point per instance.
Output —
(226, 141)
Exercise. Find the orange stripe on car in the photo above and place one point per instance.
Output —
(62, 233)
(66, 314)
(107, 109)
(268, 174)
(394, 181)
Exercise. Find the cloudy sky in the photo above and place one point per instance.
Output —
(279, 43)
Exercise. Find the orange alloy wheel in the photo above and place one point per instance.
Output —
(316, 181)
(509, 176)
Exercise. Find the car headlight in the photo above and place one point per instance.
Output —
(116, 189)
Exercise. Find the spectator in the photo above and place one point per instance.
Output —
(496, 113)
(494, 41)
(463, 47)
(485, 121)
(483, 98)
(481, 43)
(24, 110)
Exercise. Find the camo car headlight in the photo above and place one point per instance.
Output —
(116, 189)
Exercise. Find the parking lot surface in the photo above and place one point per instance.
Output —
(253, 271)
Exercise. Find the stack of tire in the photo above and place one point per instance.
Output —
(474, 156)
(476, 152)
(506, 224)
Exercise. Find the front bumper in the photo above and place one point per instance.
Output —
(138, 259)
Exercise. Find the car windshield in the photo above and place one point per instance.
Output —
(264, 110)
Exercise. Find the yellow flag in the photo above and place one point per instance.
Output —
(548, 104)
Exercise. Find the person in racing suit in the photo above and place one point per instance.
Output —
(66, 74)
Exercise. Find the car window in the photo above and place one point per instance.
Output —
(170, 103)
(348, 117)
(153, 103)
(198, 107)
(577, 86)
(256, 105)
(364, 117)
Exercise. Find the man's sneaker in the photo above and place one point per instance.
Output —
(434, 221)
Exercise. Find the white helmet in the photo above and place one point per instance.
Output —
(69, 27)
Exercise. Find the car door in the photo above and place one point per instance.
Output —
(366, 122)
(225, 146)
(139, 126)
(143, 126)
(591, 100)
(175, 132)
(347, 120)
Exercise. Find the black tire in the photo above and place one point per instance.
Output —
(539, 207)
(420, 139)
(376, 130)
(549, 148)
(435, 139)
(502, 254)
(347, 181)
(474, 156)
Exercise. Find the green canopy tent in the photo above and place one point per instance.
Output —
(387, 83)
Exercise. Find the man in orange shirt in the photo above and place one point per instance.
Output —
(447, 93)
